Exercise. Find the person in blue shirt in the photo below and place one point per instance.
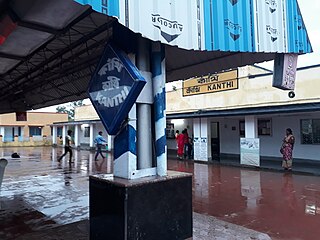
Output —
(100, 141)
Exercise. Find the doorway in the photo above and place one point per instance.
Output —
(215, 141)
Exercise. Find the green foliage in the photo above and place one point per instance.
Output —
(69, 109)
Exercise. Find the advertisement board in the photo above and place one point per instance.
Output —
(250, 151)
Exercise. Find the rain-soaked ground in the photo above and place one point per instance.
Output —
(38, 193)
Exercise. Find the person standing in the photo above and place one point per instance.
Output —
(287, 150)
(67, 147)
(176, 137)
(186, 142)
(100, 141)
(180, 142)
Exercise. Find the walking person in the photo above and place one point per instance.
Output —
(287, 150)
(100, 141)
(67, 147)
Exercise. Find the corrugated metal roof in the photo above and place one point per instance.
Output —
(298, 41)
(214, 25)
(270, 25)
(228, 26)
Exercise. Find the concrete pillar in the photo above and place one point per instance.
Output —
(91, 136)
(109, 141)
(76, 136)
(54, 135)
(125, 158)
(158, 68)
(202, 139)
(251, 127)
(144, 130)
(64, 132)
(2, 132)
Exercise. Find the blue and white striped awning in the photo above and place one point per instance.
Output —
(271, 26)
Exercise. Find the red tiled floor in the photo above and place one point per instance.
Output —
(284, 205)
(39, 193)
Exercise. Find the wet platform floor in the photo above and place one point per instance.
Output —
(38, 194)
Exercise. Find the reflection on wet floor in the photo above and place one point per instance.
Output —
(40, 193)
(283, 205)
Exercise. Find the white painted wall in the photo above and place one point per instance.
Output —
(269, 145)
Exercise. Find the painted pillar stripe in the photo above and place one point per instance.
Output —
(125, 141)
(158, 78)
(161, 143)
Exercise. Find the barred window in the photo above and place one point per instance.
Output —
(310, 131)
(264, 127)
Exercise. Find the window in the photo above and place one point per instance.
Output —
(59, 131)
(264, 127)
(242, 128)
(86, 131)
(310, 131)
(21, 116)
(35, 131)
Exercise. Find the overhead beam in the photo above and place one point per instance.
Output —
(11, 56)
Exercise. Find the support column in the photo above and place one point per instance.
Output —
(54, 135)
(64, 131)
(2, 133)
(168, 197)
(91, 136)
(158, 68)
(125, 151)
(76, 136)
(109, 141)
(251, 127)
(144, 101)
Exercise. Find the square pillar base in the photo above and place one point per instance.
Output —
(149, 208)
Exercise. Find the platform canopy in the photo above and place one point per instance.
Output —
(49, 48)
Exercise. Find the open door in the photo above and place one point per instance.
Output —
(215, 141)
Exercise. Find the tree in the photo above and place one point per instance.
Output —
(69, 109)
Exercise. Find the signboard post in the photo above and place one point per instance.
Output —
(114, 88)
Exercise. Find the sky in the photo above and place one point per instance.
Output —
(310, 10)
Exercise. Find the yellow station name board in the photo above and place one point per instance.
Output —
(211, 83)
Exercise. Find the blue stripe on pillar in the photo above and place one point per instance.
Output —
(125, 141)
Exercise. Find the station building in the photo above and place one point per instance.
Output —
(28, 127)
(248, 106)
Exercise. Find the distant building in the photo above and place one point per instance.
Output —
(85, 126)
(24, 127)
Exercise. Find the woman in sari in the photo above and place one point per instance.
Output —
(180, 142)
(287, 149)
